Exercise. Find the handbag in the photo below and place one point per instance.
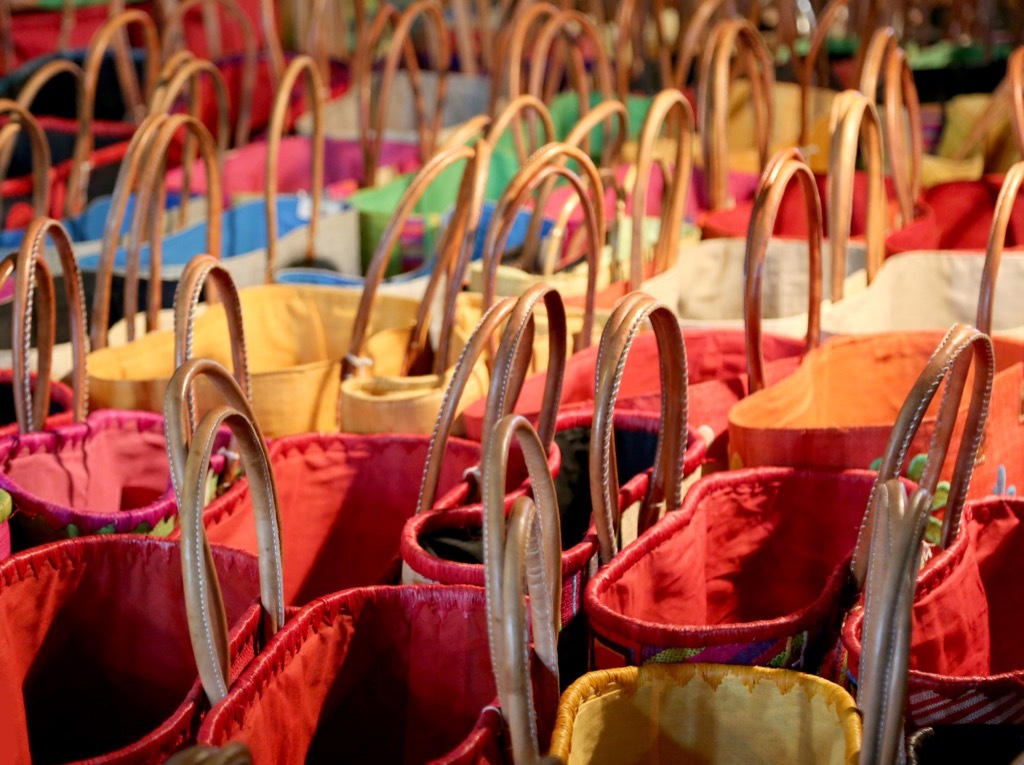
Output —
(88, 144)
(103, 473)
(734, 577)
(394, 380)
(340, 529)
(429, 650)
(132, 689)
(926, 290)
(365, 121)
(650, 463)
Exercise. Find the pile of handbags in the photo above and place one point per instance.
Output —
(511, 382)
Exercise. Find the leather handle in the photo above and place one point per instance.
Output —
(457, 250)
(78, 178)
(478, 342)
(883, 41)
(190, 463)
(236, 753)
(900, 93)
(181, 71)
(151, 208)
(30, 259)
(112, 32)
(512, 360)
(389, 239)
(578, 30)
(786, 165)
(198, 271)
(888, 608)
(713, 97)
(1015, 74)
(401, 46)
(22, 120)
(665, 488)
(1008, 194)
(603, 113)
(173, 40)
(514, 52)
(690, 42)
(855, 119)
(299, 65)
(805, 69)
(666, 105)
(544, 164)
(950, 363)
(513, 114)
(529, 550)
(40, 288)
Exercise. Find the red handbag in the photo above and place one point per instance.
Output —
(344, 505)
(754, 568)
(650, 462)
(404, 674)
(123, 688)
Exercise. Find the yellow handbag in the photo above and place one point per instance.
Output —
(394, 381)
(298, 337)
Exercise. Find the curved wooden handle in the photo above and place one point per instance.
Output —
(189, 466)
(22, 120)
(528, 550)
(382, 253)
(666, 104)
(950, 363)
(1008, 194)
(78, 178)
(400, 46)
(784, 167)
(173, 40)
(299, 65)
(544, 164)
(198, 271)
(30, 270)
(855, 117)
(713, 99)
(665, 488)
(151, 208)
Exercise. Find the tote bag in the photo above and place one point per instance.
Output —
(737, 577)
(372, 121)
(133, 693)
(341, 523)
(428, 651)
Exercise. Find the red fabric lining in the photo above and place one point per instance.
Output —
(716, 372)
(94, 646)
(111, 469)
(379, 674)
(752, 555)
(967, 609)
(344, 501)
